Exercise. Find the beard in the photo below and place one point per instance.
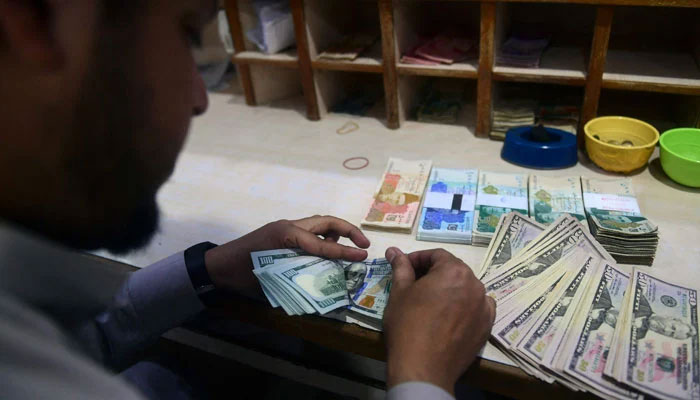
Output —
(111, 174)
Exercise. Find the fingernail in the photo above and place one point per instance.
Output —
(391, 253)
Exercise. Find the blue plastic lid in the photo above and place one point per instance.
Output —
(521, 148)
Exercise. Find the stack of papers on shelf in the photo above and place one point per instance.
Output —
(522, 52)
(442, 49)
(349, 48)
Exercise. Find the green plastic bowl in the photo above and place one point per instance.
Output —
(680, 155)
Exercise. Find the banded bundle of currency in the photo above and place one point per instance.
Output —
(616, 221)
(497, 194)
(397, 199)
(448, 208)
(551, 196)
(304, 284)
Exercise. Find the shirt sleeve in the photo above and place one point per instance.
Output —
(152, 301)
(417, 391)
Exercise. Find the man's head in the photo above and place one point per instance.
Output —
(97, 97)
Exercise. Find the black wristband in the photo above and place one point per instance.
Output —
(199, 276)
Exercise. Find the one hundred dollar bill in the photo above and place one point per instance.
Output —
(396, 201)
(369, 284)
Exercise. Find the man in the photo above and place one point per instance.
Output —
(97, 99)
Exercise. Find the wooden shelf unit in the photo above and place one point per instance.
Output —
(596, 45)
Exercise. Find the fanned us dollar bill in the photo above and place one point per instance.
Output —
(661, 355)
(497, 194)
(550, 197)
(590, 337)
(515, 232)
(396, 201)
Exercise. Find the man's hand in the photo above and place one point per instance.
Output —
(230, 266)
(435, 325)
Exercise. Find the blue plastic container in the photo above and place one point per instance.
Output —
(558, 152)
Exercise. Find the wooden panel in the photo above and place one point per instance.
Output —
(286, 59)
(484, 374)
(659, 3)
(234, 23)
(485, 73)
(304, 58)
(456, 70)
(389, 55)
(650, 87)
(596, 66)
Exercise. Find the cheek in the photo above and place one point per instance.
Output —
(169, 72)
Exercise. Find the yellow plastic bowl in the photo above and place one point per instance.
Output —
(620, 144)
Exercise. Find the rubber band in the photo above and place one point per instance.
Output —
(345, 163)
(348, 127)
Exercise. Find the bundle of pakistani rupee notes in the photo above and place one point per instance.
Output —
(465, 206)
(567, 313)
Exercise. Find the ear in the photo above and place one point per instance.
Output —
(26, 31)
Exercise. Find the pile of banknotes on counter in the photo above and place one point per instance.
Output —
(457, 199)
(304, 284)
(448, 208)
(617, 223)
(567, 313)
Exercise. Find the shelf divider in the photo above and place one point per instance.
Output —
(389, 56)
(234, 23)
(596, 67)
(308, 84)
(485, 71)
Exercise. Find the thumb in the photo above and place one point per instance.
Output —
(403, 273)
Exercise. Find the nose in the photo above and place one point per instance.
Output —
(201, 100)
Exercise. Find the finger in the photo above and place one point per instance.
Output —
(403, 274)
(424, 260)
(312, 244)
(491, 305)
(331, 238)
(321, 225)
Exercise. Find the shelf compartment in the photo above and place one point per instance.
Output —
(419, 20)
(369, 61)
(287, 59)
(286, 84)
(560, 65)
(659, 52)
(335, 86)
(652, 71)
(329, 22)
(664, 111)
(412, 89)
(564, 61)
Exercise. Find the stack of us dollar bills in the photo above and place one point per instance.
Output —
(448, 208)
(304, 284)
(616, 221)
(567, 313)
(497, 194)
